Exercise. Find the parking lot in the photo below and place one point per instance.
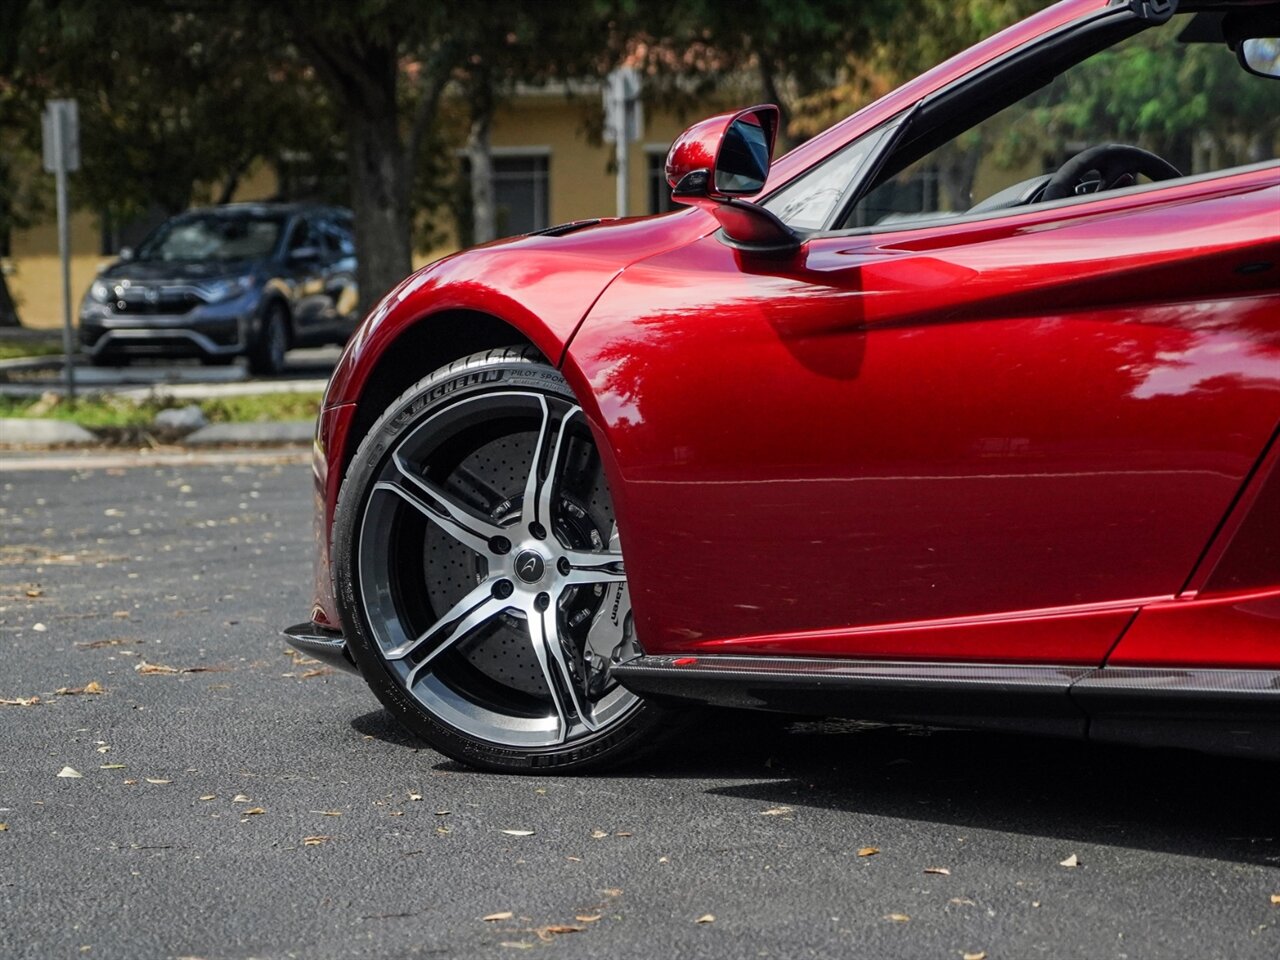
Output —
(227, 798)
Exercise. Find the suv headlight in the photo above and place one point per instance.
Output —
(101, 291)
(215, 291)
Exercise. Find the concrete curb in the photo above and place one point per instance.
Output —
(31, 431)
(287, 431)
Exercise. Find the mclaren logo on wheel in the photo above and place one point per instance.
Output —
(529, 566)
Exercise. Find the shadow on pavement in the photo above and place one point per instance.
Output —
(1165, 800)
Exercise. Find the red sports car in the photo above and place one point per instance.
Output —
(964, 411)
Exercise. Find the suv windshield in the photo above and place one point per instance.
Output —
(213, 237)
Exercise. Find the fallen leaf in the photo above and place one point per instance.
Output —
(130, 783)
(415, 796)
(588, 917)
(159, 782)
(897, 917)
(39, 627)
(868, 851)
(318, 672)
(940, 871)
(598, 834)
(111, 766)
(147, 669)
(962, 902)
(1275, 898)
(121, 614)
(775, 812)
(253, 811)
(574, 859)
(3, 827)
(91, 687)
(1071, 861)
(516, 944)
(209, 796)
(327, 813)
(20, 701)
(239, 798)
(316, 840)
(35, 593)
(612, 892)
(624, 833)
(70, 773)
(555, 929)
(501, 915)
(519, 833)
(979, 955)
(706, 918)
(113, 642)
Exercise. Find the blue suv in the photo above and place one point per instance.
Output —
(252, 280)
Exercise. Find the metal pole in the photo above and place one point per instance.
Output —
(64, 250)
(623, 167)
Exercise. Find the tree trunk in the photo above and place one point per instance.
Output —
(484, 214)
(380, 202)
(8, 309)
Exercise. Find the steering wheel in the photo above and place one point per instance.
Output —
(1108, 166)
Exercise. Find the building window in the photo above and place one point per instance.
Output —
(520, 194)
(659, 191)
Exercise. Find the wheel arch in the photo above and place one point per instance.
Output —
(420, 346)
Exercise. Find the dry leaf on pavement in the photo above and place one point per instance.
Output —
(3, 827)
(239, 798)
(70, 773)
(316, 840)
(519, 833)
(868, 851)
(555, 929)
(92, 687)
(209, 796)
(940, 871)
(501, 915)
(1275, 898)
(327, 813)
(160, 782)
(775, 812)
(979, 955)
(598, 834)
(588, 917)
(253, 811)
(1071, 861)
(897, 917)
(19, 701)
(706, 918)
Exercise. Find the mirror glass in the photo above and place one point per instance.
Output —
(743, 164)
(1261, 55)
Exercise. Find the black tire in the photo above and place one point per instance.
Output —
(266, 353)
(441, 469)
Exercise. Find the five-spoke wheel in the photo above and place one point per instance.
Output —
(478, 558)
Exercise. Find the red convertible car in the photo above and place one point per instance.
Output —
(965, 411)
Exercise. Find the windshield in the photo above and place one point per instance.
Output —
(213, 237)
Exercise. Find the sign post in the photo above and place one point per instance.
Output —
(623, 124)
(61, 128)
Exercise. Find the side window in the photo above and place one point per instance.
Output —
(1187, 106)
(814, 199)
(305, 234)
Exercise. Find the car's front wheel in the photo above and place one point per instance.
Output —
(480, 573)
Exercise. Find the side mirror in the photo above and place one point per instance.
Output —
(722, 159)
(1260, 55)
(1254, 34)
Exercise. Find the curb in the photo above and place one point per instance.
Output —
(30, 431)
(287, 431)
(37, 432)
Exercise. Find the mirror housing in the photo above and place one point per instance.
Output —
(1255, 37)
(720, 160)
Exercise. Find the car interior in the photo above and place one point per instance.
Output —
(1046, 124)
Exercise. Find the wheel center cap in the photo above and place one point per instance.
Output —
(530, 566)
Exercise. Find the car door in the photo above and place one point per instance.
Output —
(986, 440)
(341, 291)
(305, 265)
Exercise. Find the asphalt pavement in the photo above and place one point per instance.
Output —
(233, 800)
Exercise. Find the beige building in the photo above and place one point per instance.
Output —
(545, 172)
